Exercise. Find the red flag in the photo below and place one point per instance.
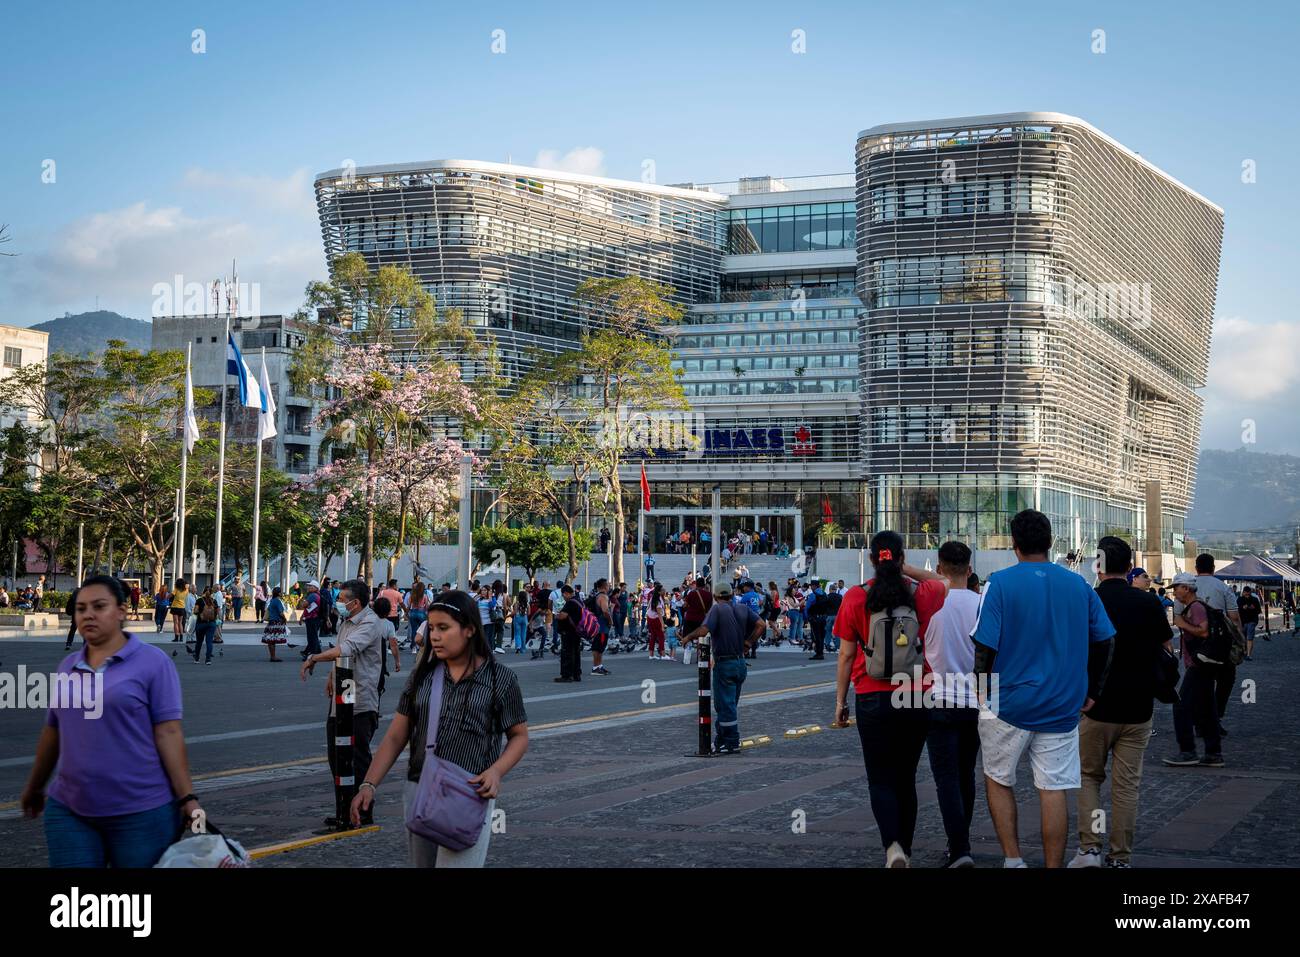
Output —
(826, 509)
(645, 490)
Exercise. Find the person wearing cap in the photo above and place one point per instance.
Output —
(732, 626)
(311, 617)
(1138, 578)
(1117, 725)
(1195, 708)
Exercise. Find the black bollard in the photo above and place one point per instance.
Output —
(706, 700)
(345, 782)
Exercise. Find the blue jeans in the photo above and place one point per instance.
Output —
(414, 620)
(1248, 629)
(204, 632)
(238, 604)
(672, 637)
(520, 628)
(832, 643)
(728, 676)
(124, 840)
(796, 625)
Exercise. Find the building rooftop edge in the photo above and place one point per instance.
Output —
(995, 119)
(39, 332)
(530, 171)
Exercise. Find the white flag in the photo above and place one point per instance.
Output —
(266, 418)
(191, 423)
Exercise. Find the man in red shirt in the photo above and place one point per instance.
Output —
(892, 727)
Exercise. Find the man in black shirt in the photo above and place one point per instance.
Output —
(1118, 723)
(1248, 607)
(566, 623)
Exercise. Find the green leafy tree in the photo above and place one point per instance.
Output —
(532, 547)
(624, 370)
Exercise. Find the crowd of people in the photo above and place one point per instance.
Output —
(1034, 660)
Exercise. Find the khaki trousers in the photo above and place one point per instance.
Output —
(1125, 744)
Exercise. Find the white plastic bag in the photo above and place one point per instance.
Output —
(205, 850)
(688, 654)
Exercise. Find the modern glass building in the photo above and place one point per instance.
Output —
(1038, 308)
(991, 313)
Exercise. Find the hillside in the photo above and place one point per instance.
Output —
(88, 332)
(1241, 490)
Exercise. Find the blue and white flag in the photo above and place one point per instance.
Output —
(250, 394)
(266, 421)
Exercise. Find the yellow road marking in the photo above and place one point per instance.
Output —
(208, 775)
(229, 772)
(285, 846)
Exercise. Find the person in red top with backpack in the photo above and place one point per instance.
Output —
(881, 626)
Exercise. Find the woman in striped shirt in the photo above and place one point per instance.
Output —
(480, 700)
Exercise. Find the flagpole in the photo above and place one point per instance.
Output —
(257, 490)
(221, 455)
(185, 461)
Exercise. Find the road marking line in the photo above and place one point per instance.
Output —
(688, 706)
(285, 846)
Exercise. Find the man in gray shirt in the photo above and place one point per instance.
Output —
(732, 628)
(361, 635)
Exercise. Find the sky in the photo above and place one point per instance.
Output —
(130, 158)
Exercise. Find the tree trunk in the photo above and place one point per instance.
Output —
(368, 554)
(573, 549)
(620, 523)
(159, 574)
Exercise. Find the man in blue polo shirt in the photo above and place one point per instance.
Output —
(1037, 621)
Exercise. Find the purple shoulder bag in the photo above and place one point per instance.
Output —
(446, 808)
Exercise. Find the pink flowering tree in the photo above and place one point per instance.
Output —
(385, 416)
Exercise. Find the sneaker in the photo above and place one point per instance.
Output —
(208, 662)
(1116, 864)
(1211, 761)
(726, 749)
(1009, 865)
(499, 651)
(1183, 759)
(959, 862)
(600, 670)
(1089, 858)
(895, 857)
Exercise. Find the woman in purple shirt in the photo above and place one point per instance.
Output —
(123, 786)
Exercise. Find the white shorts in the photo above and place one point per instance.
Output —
(1054, 756)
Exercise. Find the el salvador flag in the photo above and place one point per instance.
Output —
(250, 393)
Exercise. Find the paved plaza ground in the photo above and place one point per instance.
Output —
(607, 781)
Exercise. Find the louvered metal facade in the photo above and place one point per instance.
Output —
(1038, 310)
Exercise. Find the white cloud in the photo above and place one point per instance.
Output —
(587, 160)
(292, 193)
(118, 256)
(1253, 390)
(1254, 360)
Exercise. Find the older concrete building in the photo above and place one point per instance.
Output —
(296, 449)
(20, 347)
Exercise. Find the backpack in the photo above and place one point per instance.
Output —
(208, 613)
(1222, 644)
(893, 642)
(587, 625)
(496, 612)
